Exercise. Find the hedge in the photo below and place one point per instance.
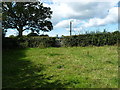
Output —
(25, 42)
(98, 39)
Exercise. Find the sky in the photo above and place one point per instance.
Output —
(85, 15)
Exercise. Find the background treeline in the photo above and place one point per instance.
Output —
(93, 39)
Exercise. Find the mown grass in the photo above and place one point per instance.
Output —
(72, 67)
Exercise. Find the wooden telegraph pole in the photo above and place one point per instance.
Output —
(70, 28)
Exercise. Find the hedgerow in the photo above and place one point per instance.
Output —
(98, 39)
(25, 42)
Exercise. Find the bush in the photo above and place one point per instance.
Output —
(44, 35)
(32, 34)
(41, 41)
(9, 43)
(24, 42)
(98, 39)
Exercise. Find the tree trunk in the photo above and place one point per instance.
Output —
(20, 32)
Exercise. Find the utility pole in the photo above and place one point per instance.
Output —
(70, 28)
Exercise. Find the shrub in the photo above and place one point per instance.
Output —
(98, 39)
(32, 34)
(9, 43)
(44, 35)
(24, 42)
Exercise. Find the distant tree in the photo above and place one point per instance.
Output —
(86, 32)
(57, 36)
(92, 32)
(44, 35)
(26, 16)
(104, 31)
(11, 36)
(116, 32)
(32, 34)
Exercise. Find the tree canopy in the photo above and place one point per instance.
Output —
(26, 16)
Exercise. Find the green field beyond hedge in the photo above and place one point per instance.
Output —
(71, 67)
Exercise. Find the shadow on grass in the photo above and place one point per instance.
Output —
(53, 54)
(18, 72)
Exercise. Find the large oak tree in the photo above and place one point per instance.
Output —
(26, 16)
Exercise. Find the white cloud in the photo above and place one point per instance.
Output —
(65, 1)
(111, 18)
(62, 24)
(95, 12)
(66, 23)
(12, 30)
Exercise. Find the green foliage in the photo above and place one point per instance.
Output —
(32, 34)
(43, 41)
(11, 36)
(24, 42)
(44, 35)
(26, 16)
(98, 39)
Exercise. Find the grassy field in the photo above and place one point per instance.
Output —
(72, 67)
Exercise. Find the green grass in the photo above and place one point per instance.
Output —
(72, 67)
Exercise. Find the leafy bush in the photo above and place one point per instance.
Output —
(9, 43)
(32, 34)
(98, 39)
(44, 35)
(24, 42)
